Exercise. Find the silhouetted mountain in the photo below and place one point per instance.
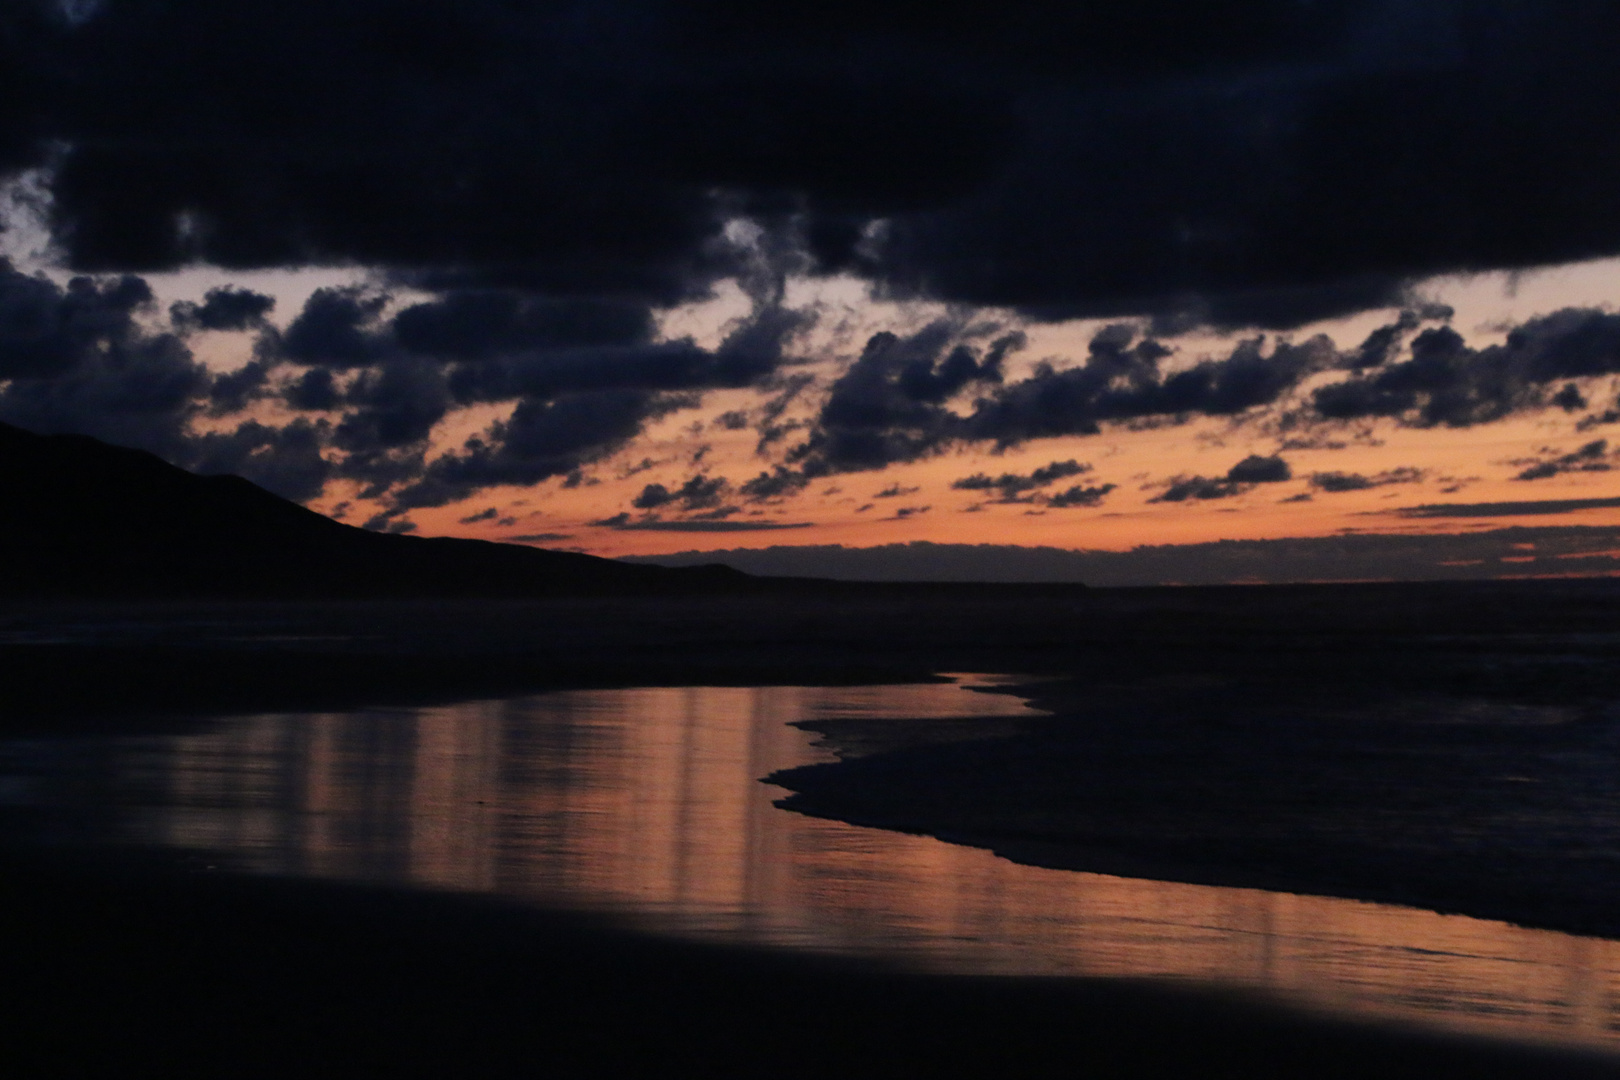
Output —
(81, 518)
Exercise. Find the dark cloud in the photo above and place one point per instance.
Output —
(1121, 381)
(77, 358)
(488, 514)
(315, 390)
(224, 308)
(1079, 495)
(286, 460)
(895, 491)
(394, 405)
(623, 523)
(1382, 344)
(697, 493)
(702, 492)
(583, 375)
(1015, 487)
(750, 353)
(1446, 382)
(47, 330)
(539, 538)
(889, 406)
(1333, 482)
(1592, 457)
(771, 427)
(556, 172)
(337, 329)
(778, 483)
(233, 391)
(1570, 399)
(468, 324)
(540, 440)
(652, 496)
(1608, 416)
(1257, 191)
(1183, 488)
(1240, 478)
(583, 372)
(1255, 469)
(1263, 163)
(894, 403)
(379, 470)
(1528, 508)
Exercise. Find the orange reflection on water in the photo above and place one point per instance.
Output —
(647, 803)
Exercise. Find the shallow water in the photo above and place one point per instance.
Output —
(647, 803)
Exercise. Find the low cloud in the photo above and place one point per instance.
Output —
(1594, 456)
(699, 492)
(779, 483)
(1334, 482)
(1078, 496)
(623, 523)
(1447, 383)
(895, 403)
(224, 308)
(1479, 555)
(890, 405)
(1239, 479)
(1016, 487)
(1527, 508)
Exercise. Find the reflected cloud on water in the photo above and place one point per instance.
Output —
(647, 803)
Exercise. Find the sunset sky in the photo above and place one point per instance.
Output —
(637, 278)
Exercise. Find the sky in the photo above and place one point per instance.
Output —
(636, 278)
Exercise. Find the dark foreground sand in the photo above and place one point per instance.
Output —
(135, 969)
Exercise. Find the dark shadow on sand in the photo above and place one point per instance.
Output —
(128, 967)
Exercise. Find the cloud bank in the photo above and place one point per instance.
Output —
(1262, 163)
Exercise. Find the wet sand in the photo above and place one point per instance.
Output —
(1470, 774)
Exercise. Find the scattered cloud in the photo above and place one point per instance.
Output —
(1016, 487)
(1239, 479)
(1594, 456)
(1334, 482)
(1079, 495)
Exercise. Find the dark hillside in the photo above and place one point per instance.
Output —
(81, 518)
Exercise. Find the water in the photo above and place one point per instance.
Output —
(647, 804)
